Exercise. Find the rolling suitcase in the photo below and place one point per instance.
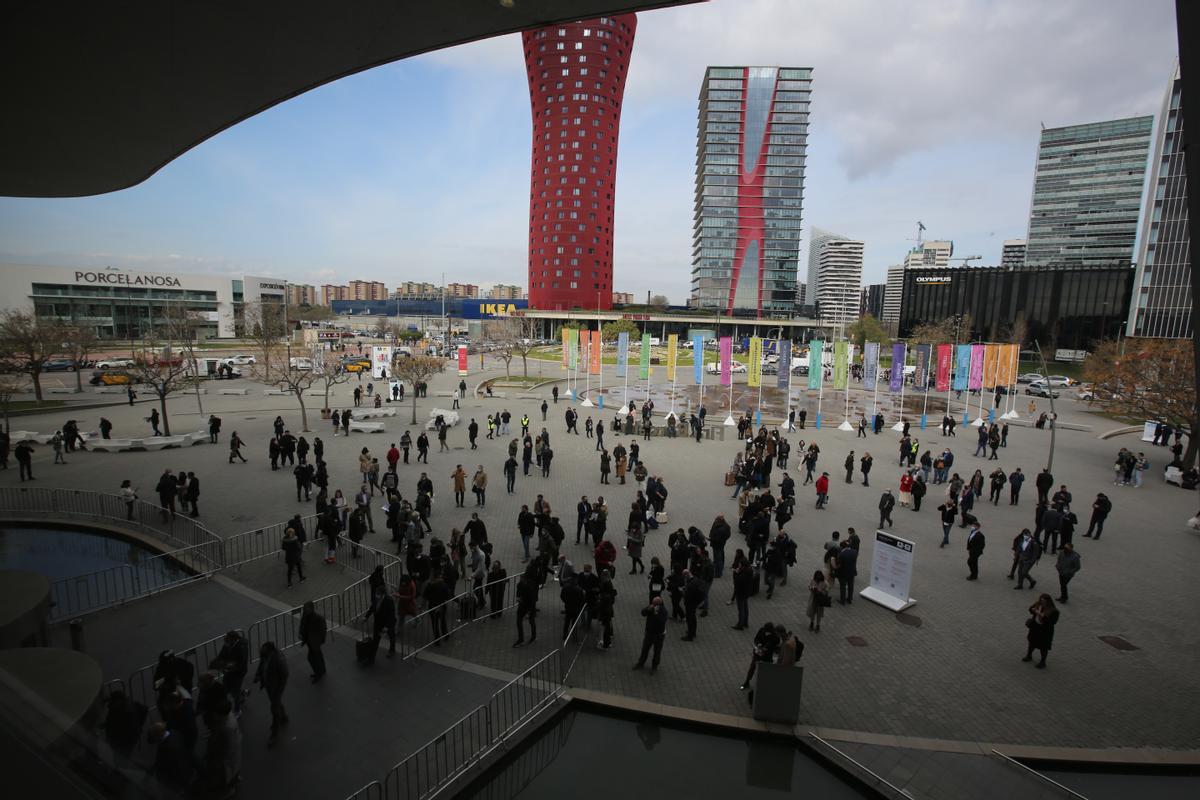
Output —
(730, 479)
(366, 647)
(757, 584)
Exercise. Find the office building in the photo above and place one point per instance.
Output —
(1087, 191)
(872, 300)
(933, 253)
(1069, 307)
(302, 294)
(801, 294)
(366, 290)
(1162, 286)
(892, 294)
(467, 290)
(835, 270)
(576, 75)
(504, 291)
(751, 140)
(1012, 253)
(127, 305)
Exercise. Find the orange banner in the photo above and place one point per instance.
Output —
(991, 356)
(596, 352)
(584, 339)
(1006, 372)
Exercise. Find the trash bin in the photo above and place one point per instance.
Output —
(76, 628)
(777, 693)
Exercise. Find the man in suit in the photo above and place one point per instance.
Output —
(1044, 483)
(656, 632)
(1050, 524)
(1100, 510)
(1028, 552)
(583, 510)
(847, 570)
(975, 544)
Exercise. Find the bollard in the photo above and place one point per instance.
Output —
(76, 628)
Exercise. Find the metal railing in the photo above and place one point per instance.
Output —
(1044, 779)
(262, 542)
(459, 612)
(861, 771)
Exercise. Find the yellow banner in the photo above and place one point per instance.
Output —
(672, 352)
(754, 371)
(596, 351)
(991, 356)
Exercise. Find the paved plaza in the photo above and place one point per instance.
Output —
(950, 668)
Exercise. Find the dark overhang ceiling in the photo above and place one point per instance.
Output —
(98, 96)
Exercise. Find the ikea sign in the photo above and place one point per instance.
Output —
(492, 309)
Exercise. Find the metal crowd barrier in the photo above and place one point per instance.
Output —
(417, 634)
(262, 542)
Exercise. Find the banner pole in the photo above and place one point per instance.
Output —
(899, 426)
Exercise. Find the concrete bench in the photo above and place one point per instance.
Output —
(111, 445)
(237, 391)
(269, 392)
(158, 442)
(527, 397)
(109, 390)
(443, 394)
(195, 438)
(61, 390)
(375, 413)
(494, 396)
(366, 427)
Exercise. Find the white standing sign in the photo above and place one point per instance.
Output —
(381, 359)
(1148, 431)
(891, 572)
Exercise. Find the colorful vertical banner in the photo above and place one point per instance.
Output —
(921, 375)
(672, 354)
(644, 358)
(785, 363)
(595, 351)
(1006, 366)
(976, 375)
(566, 337)
(462, 360)
(870, 365)
(945, 357)
(381, 361)
(572, 350)
(896, 383)
(962, 367)
(622, 353)
(841, 366)
(698, 358)
(991, 359)
(816, 363)
(585, 339)
(754, 368)
(726, 360)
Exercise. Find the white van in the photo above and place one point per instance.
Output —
(301, 363)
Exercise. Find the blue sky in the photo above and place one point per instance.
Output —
(921, 111)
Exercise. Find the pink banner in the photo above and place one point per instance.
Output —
(726, 360)
(462, 360)
(975, 381)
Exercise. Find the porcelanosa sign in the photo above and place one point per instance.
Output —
(126, 279)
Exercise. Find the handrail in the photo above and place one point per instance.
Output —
(416, 624)
(1046, 778)
(899, 792)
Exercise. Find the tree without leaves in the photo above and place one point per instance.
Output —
(266, 325)
(415, 370)
(1155, 379)
(284, 376)
(164, 363)
(659, 302)
(867, 329)
(525, 339)
(382, 327)
(9, 386)
(32, 341)
(80, 341)
(327, 367)
(502, 334)
(949, 330)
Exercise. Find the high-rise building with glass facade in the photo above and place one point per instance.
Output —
(835, 265)
(1087, 191)
(750, 144)
(576, 77)
(1162, 286)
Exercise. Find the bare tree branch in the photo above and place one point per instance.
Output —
(32, 341)
(416, 370)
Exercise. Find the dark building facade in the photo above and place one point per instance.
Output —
(1068, 307)
(871, 300)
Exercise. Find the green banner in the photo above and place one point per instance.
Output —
(644, 358)
(816, 369)
(840, 366)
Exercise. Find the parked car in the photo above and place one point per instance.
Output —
(114, 363)
(1029, 377)
(301, 363)
(240, 361)
(770, 369)
(1040, 389)
(714, 368)
(59, 365)
(356, 364)
(108, 377)
(1061, 380)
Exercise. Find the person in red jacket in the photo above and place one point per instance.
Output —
(822, 487)
(393, 457)
(606, 555)
(906, 484)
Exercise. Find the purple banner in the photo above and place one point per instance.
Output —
(726, 360)
(975, 381)
(897, 381)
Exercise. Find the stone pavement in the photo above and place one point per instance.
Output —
(950, 668)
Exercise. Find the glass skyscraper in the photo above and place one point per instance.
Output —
(1087, 191)
(1162, 287)
(750, 144)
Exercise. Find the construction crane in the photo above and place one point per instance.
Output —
(966, 260)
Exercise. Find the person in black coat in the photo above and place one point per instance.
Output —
(693, 595)
(1043, 616)
(847, 571)
(1044, 483)
(975, 544)
(655, 634)
(918, 491)
(527, 597)
(312, 634)
(272, 676)
(384, 610)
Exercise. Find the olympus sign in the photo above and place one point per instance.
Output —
(125, 279)
(933, 279)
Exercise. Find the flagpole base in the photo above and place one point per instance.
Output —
(924, 420)
(978, 422)
(730, 421)
(600, 402)
(818, 421)
(845, 426)
(623, 410)
(899, 426)
(966, 420)
(1010, 415)
(586, 403)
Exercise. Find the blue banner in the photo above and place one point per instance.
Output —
(899, 353)
(870, 365)
(698, 357)
(962, 367)
(785, 363)
(622, 353)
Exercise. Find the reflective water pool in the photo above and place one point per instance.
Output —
(586, 754)
(68, 552)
